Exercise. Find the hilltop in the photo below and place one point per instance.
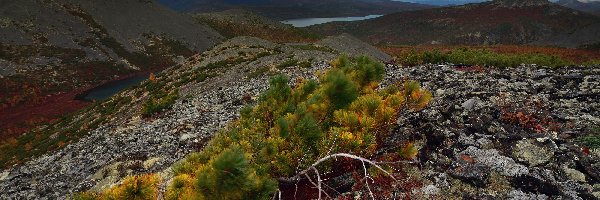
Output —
(498, 22)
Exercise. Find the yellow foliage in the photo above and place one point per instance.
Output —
(409, 151)
(135, 188)
(182, 188)
(347, 135)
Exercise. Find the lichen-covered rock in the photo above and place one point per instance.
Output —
(534, 155)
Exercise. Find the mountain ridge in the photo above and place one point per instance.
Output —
(292, 9)
(55, 47)
(496, 22)
(592, 7)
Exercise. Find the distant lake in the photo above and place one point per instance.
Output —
(312, 21)
(111, 88)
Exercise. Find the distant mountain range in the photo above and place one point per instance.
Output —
(292, 9)
(588, 6)
(445, 2)
(497, 22)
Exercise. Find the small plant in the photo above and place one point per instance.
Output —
(159, 102)
(592, 140)
(298, 127)
(288, 63)
(141, 187)
(481, 57)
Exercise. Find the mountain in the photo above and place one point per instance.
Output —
(496, 22)
(493, 133)
(446, 2)
(592, 7)
(293, 9)
(238, 22)
(50, 48)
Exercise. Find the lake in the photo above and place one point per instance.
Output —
(108, 89)
(313, 21)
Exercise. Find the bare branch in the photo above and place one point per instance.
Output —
(319, 181)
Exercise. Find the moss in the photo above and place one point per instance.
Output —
(591, 140)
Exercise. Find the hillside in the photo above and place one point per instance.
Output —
(209, 89)
(592, 7)
(487, 133)
(51, 50)
(238, 22)
(498, 22)
(293, 9)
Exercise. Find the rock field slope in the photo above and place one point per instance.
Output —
(471, 146)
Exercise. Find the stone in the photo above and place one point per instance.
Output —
(430, 190)
(150, 162)
(596, 191)
(4, 175)
(475, 174)
(520, 195)
(469, 104)
(575, 175)
(533, 155)
(491, 158)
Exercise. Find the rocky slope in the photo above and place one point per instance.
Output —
(126, 144)
(239, 22)
(497, 22)
(82, 26)
(488, 134)
(49, 48)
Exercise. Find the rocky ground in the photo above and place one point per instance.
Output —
(505, 133)
(488, 133)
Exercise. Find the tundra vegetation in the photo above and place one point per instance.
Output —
(494, 56)
(291, 129)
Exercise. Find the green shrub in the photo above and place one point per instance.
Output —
(291, 127)
(288, 63)
(481, 58)
(592, 140)
(141, 187)
(159, 102)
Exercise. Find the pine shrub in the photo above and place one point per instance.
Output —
(291, 127)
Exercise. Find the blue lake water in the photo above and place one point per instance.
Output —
(106, 90)
(313, 21)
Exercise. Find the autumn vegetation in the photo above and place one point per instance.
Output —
(495, 55)
(289, 129)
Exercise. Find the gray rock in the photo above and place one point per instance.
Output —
(495, 161)
(575, 175)
(534, 155)
(520, 195)
(470, 104)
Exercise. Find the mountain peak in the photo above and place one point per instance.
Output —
(520, 3)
